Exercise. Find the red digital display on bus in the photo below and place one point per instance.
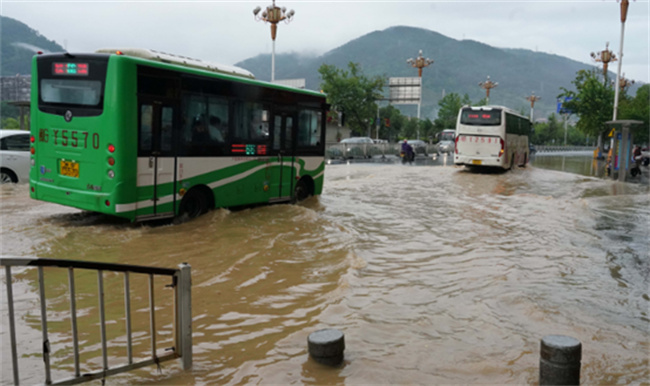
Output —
(78, 69)
(487, 118)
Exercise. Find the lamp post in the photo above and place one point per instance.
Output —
(624, 83)
(605, 56)
(488, 85)
(532, 99)
(420, 62)
(624, 5)
(273, 15)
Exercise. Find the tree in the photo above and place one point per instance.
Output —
(352, 93)
(427, 129)
(592, 102)
(638, 108)
(410, 129)
(450, 104)
(391, 122)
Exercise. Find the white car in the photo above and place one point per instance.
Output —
(14, 156)
(446, 147)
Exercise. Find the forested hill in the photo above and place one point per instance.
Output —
(459, 66)
(18, 45)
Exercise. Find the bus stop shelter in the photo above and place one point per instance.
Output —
(622, 145)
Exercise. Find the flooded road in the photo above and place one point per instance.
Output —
(435, 275)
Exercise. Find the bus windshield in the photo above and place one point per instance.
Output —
(71, 91)
(448, 135)
(480, 117)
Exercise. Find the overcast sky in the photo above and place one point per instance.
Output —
(227, 32)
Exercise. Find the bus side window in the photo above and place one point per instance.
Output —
(146, 127)
(309, 130)
(251, 123)
(167, 121)
(218, 120)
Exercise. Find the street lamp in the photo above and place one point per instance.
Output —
(605, 56)
(624, 83)
(624, 5)
(420, 62)
(273, 15)
(488, 85)
(532, 99)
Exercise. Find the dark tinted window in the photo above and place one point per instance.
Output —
(71, 82)
(17, 142)
(71, 91)
(480, 117)
(309, 128)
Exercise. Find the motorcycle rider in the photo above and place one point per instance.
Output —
(407, 152)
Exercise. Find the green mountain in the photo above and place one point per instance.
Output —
(458, 67)
(18, 44)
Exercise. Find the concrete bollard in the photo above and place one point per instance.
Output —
(559, 362)
(327, 346)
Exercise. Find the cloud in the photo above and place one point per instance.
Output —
(227, 32)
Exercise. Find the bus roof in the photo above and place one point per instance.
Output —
(236, 73)
(492, 107)
(165, 57)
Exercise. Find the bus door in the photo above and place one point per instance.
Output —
(283, 146)
(156, 161)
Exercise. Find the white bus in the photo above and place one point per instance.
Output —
(491, 136)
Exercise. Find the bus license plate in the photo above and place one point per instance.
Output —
(476, 162)
(69, 168)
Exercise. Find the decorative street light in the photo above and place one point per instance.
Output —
(532, 99)
(624, 5)
(273, 15)
(605, 56)
(624, 83)
(488, 85)
(420, 62)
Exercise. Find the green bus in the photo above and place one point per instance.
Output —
(142, 134)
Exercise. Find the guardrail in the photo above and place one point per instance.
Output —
(334, 150)
(560, 149)
(181, 283)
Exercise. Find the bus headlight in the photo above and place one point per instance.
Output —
(111, 174)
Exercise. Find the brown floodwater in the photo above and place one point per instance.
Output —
(435, 275)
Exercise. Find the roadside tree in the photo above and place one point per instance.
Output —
(352, 93)
(592, 102)
(638, 108)
(450, 104)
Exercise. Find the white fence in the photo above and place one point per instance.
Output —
(180, 283)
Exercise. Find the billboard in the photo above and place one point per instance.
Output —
(405, 90)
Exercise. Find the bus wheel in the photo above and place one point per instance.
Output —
(194, 204)
(302, 191)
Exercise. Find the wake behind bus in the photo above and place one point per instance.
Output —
(142, 134)
(491, 137)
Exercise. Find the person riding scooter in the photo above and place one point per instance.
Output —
(407, 152)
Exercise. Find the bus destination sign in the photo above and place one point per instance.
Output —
(78, 69)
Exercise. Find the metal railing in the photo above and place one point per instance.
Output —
(561, 149)
(181, 283)
(336, 150)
